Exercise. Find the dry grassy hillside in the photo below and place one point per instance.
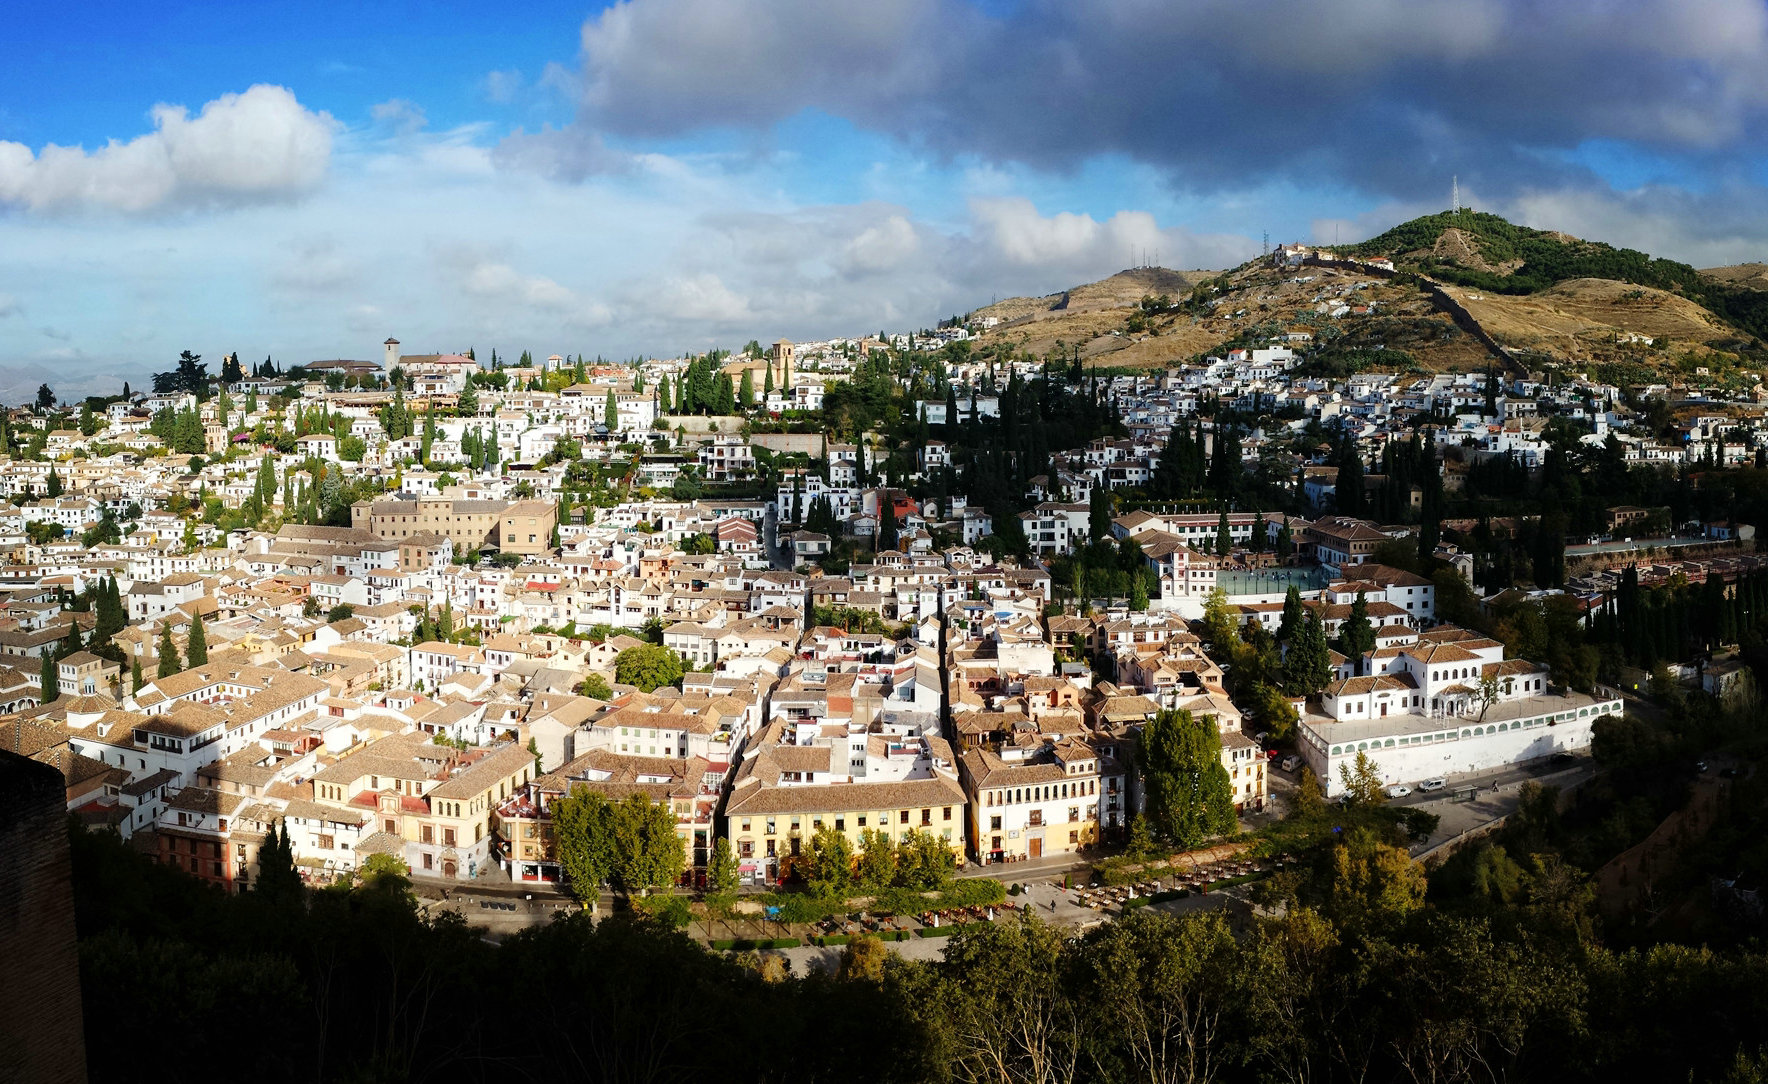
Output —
(1751, 275)
(1582, 318)
(1120, 290)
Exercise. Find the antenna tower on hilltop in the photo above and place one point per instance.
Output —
(1455, 195)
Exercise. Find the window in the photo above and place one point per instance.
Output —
(862, 821)
(948, 813)
(429, 863)
(994, 824)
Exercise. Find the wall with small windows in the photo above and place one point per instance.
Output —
(1451, 745)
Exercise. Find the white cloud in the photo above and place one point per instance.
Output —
(399, 114)
(242, 148)
(695, 299)
(881, 247)
(501, 282)
(1018, 234)
(502, 86)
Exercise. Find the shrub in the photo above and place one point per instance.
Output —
(670, 910)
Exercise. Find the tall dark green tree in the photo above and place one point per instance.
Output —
(196, 647)
(1356, 636)
(168, 652)
(1190, 798)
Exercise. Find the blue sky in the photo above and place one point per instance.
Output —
(302, 180)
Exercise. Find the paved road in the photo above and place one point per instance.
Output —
(1459, 816)
(1635, 546)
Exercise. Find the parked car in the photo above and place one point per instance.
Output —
(1398, 790)
(1290, 763)
(1433, 784)
(1700, 766)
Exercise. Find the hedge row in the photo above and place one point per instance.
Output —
(799, 908)
(744, 944)
(835, 939)
(947, 931)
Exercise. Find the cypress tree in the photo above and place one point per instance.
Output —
(135, 673)
(47, 678)
(168, 652)
(196, 647)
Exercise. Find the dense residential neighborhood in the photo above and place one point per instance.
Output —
(394, 603)
(830, 643)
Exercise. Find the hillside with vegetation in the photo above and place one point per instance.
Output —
(1543, 297)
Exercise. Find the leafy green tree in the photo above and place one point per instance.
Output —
(583, 840)
(924, 861)
(45, 398)
(1218, 621)
(1372, 885)
(595, 686)
(1163, 986)
(877, 859)
(1362, 781)
(864, 959)
(830, 871)
(722, 872)
(647, 849)
(385, 875)
(1189, 796)
(1309, 800)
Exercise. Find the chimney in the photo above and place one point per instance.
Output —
(391, 359)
